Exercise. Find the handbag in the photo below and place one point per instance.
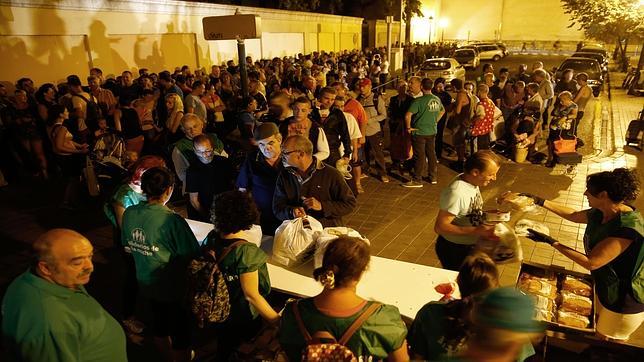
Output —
(564, 145)
(93, 187)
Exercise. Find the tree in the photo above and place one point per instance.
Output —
(608, 20)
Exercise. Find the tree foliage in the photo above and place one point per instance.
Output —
(608, 20)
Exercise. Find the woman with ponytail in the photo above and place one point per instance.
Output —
(614, 248)
(441, 329)
(381, 336)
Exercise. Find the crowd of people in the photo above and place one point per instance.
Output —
(298, 144)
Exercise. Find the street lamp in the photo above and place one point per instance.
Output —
(442, 23)
(431, 20)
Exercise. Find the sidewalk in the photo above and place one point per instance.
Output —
(399, 222)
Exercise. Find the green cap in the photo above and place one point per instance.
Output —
(509, 309)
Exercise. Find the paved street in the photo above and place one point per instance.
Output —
(398, 221)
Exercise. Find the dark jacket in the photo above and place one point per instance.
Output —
(324, 183)
(336, 130)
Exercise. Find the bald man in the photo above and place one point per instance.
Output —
(47, 314)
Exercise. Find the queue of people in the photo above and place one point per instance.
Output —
(282, 153)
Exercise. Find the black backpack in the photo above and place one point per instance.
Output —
(92, 112)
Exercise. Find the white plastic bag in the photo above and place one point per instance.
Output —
(328, 235)
(507, 249)
(253, 235)
(522, 226)
(295, 240)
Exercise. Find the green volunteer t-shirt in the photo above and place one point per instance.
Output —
(186, 147)
(245, 258)
(43, 321)
(426, 110)
(162, 244)
(613, 281)
(427, 335)
(124, 196)
(382, 333)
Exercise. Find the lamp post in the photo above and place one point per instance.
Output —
(443, 24)
(431, 20)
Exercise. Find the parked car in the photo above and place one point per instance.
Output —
(447, 68)
(467, 57)
(502, 46)
(586, 65)
(595, 49)
(488, 51)
(597, 56)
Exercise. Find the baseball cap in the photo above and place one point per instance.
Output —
(265, 130)
(508, 309)
(364, 82)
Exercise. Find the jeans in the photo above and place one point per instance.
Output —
(373, 147)
(424, 150)
(439, 135)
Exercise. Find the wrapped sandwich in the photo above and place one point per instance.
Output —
(575, 303)
(544, 308)
(516, 201)
(577, 286)
(538, 286)
(571, 319)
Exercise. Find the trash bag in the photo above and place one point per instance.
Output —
(294, 240)
(328, 235)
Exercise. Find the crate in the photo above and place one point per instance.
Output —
(541, 270)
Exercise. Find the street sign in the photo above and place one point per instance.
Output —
(230, 27)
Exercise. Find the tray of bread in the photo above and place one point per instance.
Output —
(562, 298)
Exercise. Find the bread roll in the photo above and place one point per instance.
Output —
(577, 286)
(571, 302)
(572, 319)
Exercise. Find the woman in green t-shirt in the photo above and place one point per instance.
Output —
(129, 193)
(244, 268)
(614, 248)
(442, 329)
(381, 336)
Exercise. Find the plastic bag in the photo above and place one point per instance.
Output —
(252, 235)
(295, 240)
(328, 235)
(522, 226)
(507, 249)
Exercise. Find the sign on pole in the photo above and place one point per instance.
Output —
(231, 27)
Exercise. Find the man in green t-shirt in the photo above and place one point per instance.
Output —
(425, 111)
(47, 314)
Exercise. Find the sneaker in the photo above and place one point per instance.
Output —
(359, 189)
(412, 184)
(384, 178)
(134, 326)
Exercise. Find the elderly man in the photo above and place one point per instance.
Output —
(47, 314)
(546, 92)
(258, 174)
(459, 223)
(307, 186)
(183, 154)
(207, 178)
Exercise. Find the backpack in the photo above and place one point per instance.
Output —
(92, 112)
(333, 350)
(207, 291)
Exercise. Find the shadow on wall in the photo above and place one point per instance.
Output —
(44, 58)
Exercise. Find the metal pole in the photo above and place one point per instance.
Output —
(443, 35)
(431, 20)
(400, 30)
(390, 19)
(241, 54)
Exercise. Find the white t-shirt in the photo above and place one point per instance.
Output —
(463, 200)
(354, 129)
